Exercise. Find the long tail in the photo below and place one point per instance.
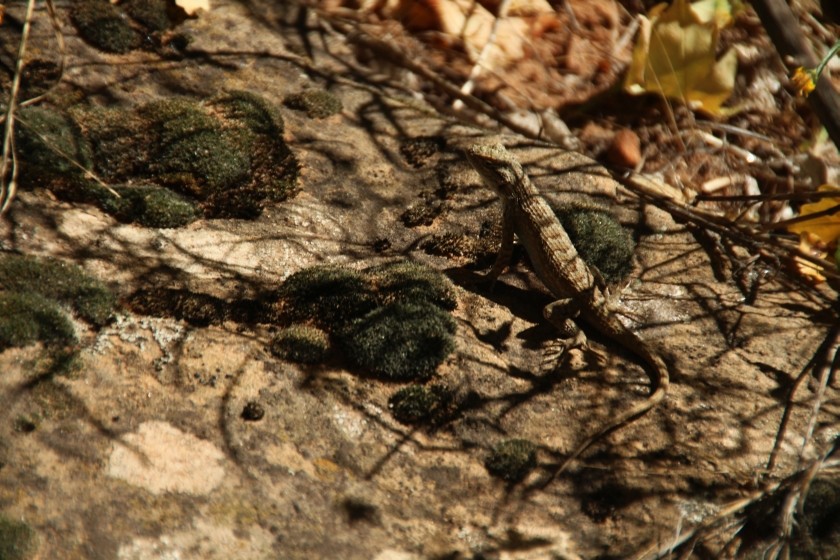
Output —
(659, 380)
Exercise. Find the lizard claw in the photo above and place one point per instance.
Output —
(559, 351)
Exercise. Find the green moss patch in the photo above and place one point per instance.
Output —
(149, 205)
(329, 295)
(512, 459)
(112, 134)
(317, 103)
(197, 154)
(193, 307)
(104, 25)
(400, 341)
(409, 281)
(26, 318)
(390, 320)
(60, 281)
(301, 343)
(818, 530)
(52, 145)
(252, 110)
(120, 28)
(417, 404)
(601, 241)
(18, 541)
(224, 157)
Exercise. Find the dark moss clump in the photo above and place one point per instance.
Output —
(818, 534)
(104, 26)
(417, 151)
(38, 76)
(252, 412)
(54, 154)
(149, 13)
(25, 424)
(512, 459)
(193, 307)
(409, 281)
(226, 155)
(150, 206)
(273, 168)
(121, 140)
(317, 103)
(27, 317)
(422, 213)
(196, 154)
(301, 343)
(600, 240)
(120, 28)
(252, 111)
(417, 404)
(51, 145)
(391, 320)
(400, 341)
(329, 295)
(18, 541)
(61, 281)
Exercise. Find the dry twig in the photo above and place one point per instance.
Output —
(8, 165)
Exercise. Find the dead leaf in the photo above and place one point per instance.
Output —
(719, 12)
(811, 245)
(818, 235)
(520, 7)
(192, 6)
(825, 228)
(675, 56)
(472, 23)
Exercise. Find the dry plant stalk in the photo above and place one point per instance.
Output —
(8, 164)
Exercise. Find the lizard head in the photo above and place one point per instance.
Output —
(495, 164)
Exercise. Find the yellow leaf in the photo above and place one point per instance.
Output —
(675, 56)
(825, 228)
(192, 6)
(719, 12)
(810, 245)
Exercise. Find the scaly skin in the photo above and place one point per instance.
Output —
(563, 272)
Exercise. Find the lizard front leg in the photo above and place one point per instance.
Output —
(506, 248)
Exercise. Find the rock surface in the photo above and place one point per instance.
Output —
(141, 450)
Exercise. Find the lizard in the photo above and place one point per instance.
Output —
(527, 215)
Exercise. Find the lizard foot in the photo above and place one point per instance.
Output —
(565, 353)
(560, 313)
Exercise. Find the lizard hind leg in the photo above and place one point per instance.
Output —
(561, 314)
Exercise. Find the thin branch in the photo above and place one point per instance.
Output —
(8, 165)
(784, 31)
